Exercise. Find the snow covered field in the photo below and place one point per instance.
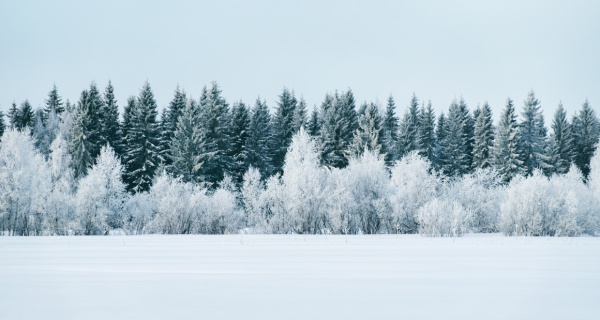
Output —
(298, 277)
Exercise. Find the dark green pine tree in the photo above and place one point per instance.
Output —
(439, 151)
(369, 135)
(299, 118)
(409, 128)
(13, 116)
(53, 103)
(128, 115)
(81, 148)
(109, 122)
(313, 125)
(259, 140)
(169, 119)
(240, 127)
(586, 132)
(282, 127)
(484, 138)
(26, 117)
(426, 139)
(142, 155)
(507, 154)
(338, 123)
(188, 149)
(390, 132)
(456, 142)
(94, 105)
(532, 137)
(561, 141)
(2, 123)
(214, 114)
(469, 132)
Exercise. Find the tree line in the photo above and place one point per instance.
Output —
(239, 161)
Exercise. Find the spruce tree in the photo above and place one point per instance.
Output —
(282, 127)
(456, 141)
(586, 131)
(2, 123)
(109, 121)
(53, 103)
(507, 154)
(80, 147)
(169, 121)
(299, 118)
(313, 124)
(409, 128)
(26, 116)
(439, 151)
(484, 138)
(426, 139)
(141, 154)
(128, 115)
(390, 132)
(532, 137)
(561, 141)
(259, 140)
(338, 123)
(240, 126)
(13, 116)
(188, 150)
(369, 135)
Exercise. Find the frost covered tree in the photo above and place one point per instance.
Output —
(532, 137)
(457, 141)
(426, 139)
(443, 218)
(561, 142)
(142, 151)
(299, 119)
(240, 127)
(24, 185)
(412, 184)
(483, 138)
(101, 195)
(507, 154)
(53, 104)
(586, 132)
(338, 123)
(369, 134)
(2, 124)
(253, 200)
(169, 123)
(409, 128)
(259, 139)
(60, 206)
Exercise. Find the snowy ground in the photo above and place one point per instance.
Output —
(298, 277)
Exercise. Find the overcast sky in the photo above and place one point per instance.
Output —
(437, 49)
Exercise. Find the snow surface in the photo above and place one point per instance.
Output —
(299, 277)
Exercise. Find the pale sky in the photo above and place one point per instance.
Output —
(480, 50)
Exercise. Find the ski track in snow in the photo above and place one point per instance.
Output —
(299, 277)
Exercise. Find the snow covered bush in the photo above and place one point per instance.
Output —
(253, 201)
(443, 218)
(101, 195)
(60, 206)
(139, 210)
(413, 183)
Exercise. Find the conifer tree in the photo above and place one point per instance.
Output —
(128, 115)
(312, 127)
(409, 128)
(439, 151)
(240, 126)
(141, 154)
(282, 127)
(169, 121)
(532, 136)
(561, 141)
(299, 118)
(484, 138)
(2, 123)
(188, 149)
(426, 140)
(456, 141)
(369, 135)
(507, 154)
(109, 121)
(390, 132)
(13, 116)
(53, 103)
(338, 123)
(259, 139)
(586, 131)
(80, 147)
(26, 116)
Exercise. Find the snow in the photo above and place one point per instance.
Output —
(299, 277)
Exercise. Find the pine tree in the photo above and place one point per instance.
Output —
(299, 118)
(96, 118)
(13, 116)
(142, 155)
(439, 150)
(169, 121)
(259, 139)
(369, 135)
(53, 103)
(426, 139)
(456, 141)
(80, 147)
(409, 128)
(109, 121)
(469, 132)
(128, 115)
(507, 154)
(282, 127)
(26, 117)
(338, 123)
(2, 123)
(532, 136)
(484, 138)
(390, 132)
(561, 141)
(240, 126)
(586, 131)
(313, 124)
